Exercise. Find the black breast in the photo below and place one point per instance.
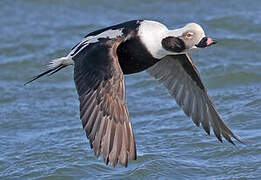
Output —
(134, 57)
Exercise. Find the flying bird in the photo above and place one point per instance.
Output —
(103, 57)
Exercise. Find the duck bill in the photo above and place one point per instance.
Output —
(205, 42)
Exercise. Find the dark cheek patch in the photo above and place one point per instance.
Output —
(173, 44)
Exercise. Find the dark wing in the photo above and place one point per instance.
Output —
(180, 76)
(100, 85)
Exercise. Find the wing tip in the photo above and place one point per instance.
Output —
(239, 139)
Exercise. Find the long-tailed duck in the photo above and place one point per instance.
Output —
(102, 58)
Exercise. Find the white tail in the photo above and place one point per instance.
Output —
(60, 61)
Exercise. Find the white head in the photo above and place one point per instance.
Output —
(161, 42)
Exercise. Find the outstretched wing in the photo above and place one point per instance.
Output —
(100, 85)
(180, 76)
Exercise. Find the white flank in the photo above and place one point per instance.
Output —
(60, 61)
(111, 34)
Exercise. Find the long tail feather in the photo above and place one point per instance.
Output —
(58, 69)
(55, 66)
(52, 71)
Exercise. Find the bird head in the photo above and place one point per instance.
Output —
(194, 37)
(191, 36)
(160, 41)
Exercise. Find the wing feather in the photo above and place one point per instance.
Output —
(180, 76)
(100, 85)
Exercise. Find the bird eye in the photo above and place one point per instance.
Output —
(189, 34)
